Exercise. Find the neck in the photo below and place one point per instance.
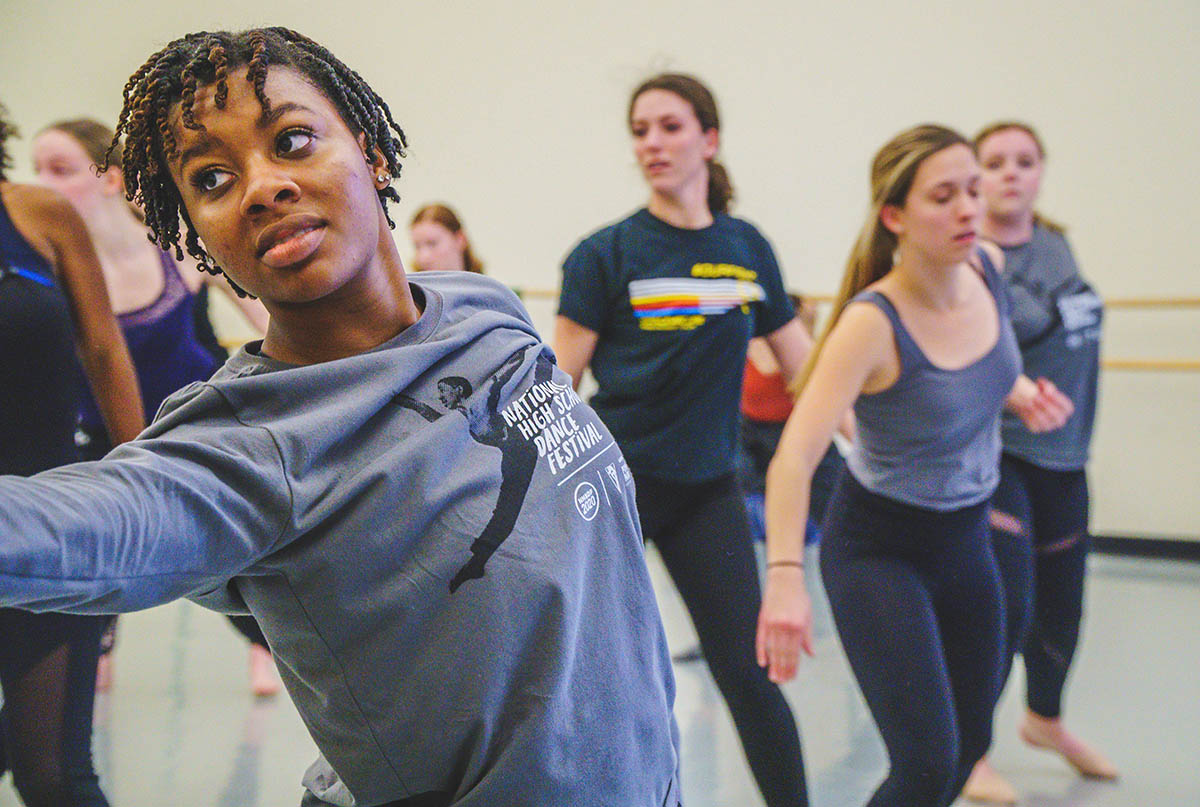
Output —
(687, 209)
(366, 312)
(116, 232)
(1008, 231)
(937, 286)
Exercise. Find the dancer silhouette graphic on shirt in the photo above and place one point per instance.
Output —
(518, 456)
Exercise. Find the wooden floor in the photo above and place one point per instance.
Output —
(180, 727)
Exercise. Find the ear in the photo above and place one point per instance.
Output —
(712, 142)
(460, 240)
(892, 217)
(113, 181)
(374, 158)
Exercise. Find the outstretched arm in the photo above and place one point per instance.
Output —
(174, 515)
(506, 373)
(424, 410)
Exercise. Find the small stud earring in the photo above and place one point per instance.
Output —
(383, 178)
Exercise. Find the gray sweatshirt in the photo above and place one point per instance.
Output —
(438, 538)
(1057, 318)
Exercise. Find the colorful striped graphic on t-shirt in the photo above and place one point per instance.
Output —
(687, 296)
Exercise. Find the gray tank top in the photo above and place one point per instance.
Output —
(932, 439)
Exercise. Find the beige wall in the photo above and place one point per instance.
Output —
(515, 112)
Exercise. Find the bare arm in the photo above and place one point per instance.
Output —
(574, 346)
(424, 410)
(1039, 404)
(855, 355)
(791, 345)
(98, 338)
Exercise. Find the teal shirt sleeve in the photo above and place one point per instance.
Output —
(585, 296)
(777, 309)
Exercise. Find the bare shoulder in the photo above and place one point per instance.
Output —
(34, 201)
(41, 215)
(41, 209)
(994, 253)
(862, 347)
(863, 324)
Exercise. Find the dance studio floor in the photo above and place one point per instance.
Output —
(180, 728)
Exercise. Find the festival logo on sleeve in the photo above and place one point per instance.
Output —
(1081, 315)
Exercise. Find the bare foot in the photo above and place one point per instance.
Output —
(986, 786)
(1049, 732)
(264, 680)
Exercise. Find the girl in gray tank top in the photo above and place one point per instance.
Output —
(1040, 509)
(931, 439)
(927, 358)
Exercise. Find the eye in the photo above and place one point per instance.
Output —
(293, 141)
(638, 131)
(1025, 162)
(210, 179)
(672, 126)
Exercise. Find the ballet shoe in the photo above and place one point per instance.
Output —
(104, 673)
(264, 680)
(986, 786)
(1049, 733)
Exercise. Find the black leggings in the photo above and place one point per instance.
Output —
(916, 599)
(48, 672)
(703, 535)
(1040, 536)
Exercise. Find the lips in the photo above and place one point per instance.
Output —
(290, 240)
(965, 238)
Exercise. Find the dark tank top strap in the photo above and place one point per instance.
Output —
(17, 257)
(995, 283)
(172, 279)
(910, 354)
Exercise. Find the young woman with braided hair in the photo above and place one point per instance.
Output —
(448, 636)
(53, 306)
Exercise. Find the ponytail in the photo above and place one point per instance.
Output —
(892, 173)
(720, 188)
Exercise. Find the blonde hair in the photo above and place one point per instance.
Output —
(444, 215)
(1004, 125)
(892, 173)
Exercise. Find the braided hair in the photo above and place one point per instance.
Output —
(206, 58)
(7, 130)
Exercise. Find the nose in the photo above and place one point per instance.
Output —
(651, 140)
(969, 206)
(267, 186)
